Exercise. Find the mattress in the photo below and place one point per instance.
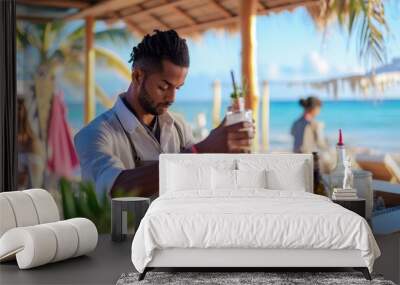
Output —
(250, 219)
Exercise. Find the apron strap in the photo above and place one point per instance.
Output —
(180, 135)
(136, 157)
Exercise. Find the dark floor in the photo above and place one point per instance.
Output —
(103, 266)
(110, 259)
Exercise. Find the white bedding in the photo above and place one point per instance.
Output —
(251, 218)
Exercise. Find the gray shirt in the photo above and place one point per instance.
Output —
(104, 148)
(308, 136)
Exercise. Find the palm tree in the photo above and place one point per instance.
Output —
(60, 47)
(365, 17)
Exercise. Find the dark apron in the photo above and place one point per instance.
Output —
(139, 162)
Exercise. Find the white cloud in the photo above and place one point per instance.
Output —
(313, 66)
(273, 71)
(317, 63)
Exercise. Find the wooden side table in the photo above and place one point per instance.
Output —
(355, 205)
(119, 214)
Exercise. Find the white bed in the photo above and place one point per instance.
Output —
(215, 211)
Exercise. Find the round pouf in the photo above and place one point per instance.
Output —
(120, 208)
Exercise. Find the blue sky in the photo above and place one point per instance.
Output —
(289, 46)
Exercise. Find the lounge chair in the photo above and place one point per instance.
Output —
(382, 166)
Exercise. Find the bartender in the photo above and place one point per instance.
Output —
(119, 150)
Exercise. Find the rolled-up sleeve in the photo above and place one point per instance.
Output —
(98, 163)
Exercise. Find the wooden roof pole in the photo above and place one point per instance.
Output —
(216, 120)
(89, 101)
(265, 116)
(248, 13)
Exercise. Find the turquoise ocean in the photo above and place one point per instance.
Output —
(365, 124)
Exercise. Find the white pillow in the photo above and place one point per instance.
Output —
(251, 178)
(184, 177)
(282, 174)
(293, 181)
(223, 179)
(228, 179)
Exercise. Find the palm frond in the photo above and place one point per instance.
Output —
(32, 34)
(75, 78)
(48, 37)
(102, 97)
(58, 31)
(112, 61)
(61, 49)
(371, 45)
(114, 35)
(366, 18)
(75, 38)
(22, 36)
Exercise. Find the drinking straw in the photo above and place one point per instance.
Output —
(233, 82)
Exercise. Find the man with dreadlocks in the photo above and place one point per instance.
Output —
(119, 150)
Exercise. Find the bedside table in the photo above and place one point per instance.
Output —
(119, 214)
(355, 205)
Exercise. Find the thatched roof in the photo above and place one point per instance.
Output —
(188, 17)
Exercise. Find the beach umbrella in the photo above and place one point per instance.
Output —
(62, 158)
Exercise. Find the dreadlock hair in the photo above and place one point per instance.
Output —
(150, 52)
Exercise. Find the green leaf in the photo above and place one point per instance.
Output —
(81, 201)
(111, 60)
(368, 18)
(73, 37)
(92, 201)
(68, 201)
(115, 35)
(22, 38)
(85, 203)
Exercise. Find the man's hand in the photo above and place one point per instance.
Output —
(236, 138)
(139, 181)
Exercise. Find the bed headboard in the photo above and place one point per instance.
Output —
(282, 163)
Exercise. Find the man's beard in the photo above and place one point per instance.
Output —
(148, 104)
